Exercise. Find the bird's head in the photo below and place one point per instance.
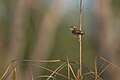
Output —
(72, 28)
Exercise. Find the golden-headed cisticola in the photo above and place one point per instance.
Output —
(76, 31)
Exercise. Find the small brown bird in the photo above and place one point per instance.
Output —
(76, 31)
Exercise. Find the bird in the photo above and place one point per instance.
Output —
(76, 31)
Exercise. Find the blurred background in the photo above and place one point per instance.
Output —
(39, 29)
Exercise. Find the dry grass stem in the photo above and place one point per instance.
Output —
(14, 74)
(80, 39)
(96, 68)
(45, 76)
(56, 70)
(101, 66)
(10, 68)
(72, 71)
(68, 69)
(109, 62)
(42, 61)
(78, 75)
(31, 72)
(104, 69)
(49, 70)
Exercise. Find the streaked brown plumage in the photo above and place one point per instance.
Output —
(76, 31)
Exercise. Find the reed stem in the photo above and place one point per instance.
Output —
(80, 39)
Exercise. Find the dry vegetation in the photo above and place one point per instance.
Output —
(96, 74)
(11, 73)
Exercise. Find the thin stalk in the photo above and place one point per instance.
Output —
(80, 39)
